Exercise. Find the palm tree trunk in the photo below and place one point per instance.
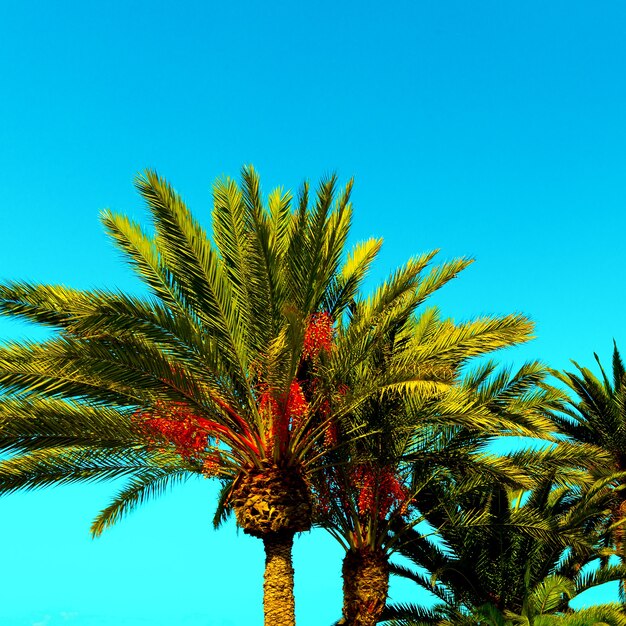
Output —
(365, 586)
(278, 598)
(274, 503)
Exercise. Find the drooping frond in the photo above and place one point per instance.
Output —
(599, 576)
(37, 423)
(223, 510)
(67, 465)
(149, 483)
(407, 614)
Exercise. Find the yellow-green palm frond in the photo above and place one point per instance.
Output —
(232, 238)
(93, 314)
(317, 242)
(345, 287)
(141, 253)
(151, 482)
(67, 465)
(402, 282)
(548, 595)
(559, 457)
(440, 275)
(490, 404)
(457, 343)
(610, 614)
(37, 423)
(196, 267)
(245, 236)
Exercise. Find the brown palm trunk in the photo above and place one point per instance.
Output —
(278, 598)
(365, 586)
(274, 504)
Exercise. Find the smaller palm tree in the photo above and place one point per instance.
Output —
(368, 493)
(597, 416)
(526, 556)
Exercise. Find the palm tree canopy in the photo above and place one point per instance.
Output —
(212, 372)
(524, 553)
(597, 415)
(216, 372)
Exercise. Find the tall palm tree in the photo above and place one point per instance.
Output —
(214, 373)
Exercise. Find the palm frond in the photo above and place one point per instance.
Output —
(144, 485)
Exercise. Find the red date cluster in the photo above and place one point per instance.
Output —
(380, 490)
(177, 424)
(318, 335)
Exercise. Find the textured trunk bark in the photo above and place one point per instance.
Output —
(365, 586)
(278, 598)
(274, 503)
(271, 500)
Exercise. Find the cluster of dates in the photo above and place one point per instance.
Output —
(380, 490)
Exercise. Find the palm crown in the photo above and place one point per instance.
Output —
(597, 416)
(522, 556)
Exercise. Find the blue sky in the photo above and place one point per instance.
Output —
(489, 129)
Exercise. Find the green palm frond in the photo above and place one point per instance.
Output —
(440, 275)
(144, 485)
(550, 594)
(406, 614)
(223, 511)
(611, 614)
(36, 423)
(67, 465)
(458, 343)
(511, 554)
(345, 288)
(196, 267)
(425, 581)
(558, 457)
(599, 576)
(141, 253)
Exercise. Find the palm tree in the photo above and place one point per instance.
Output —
(368, 488)
(520, 561)
(597, 416)
(214, 373)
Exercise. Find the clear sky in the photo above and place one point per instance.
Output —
(490, 129)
